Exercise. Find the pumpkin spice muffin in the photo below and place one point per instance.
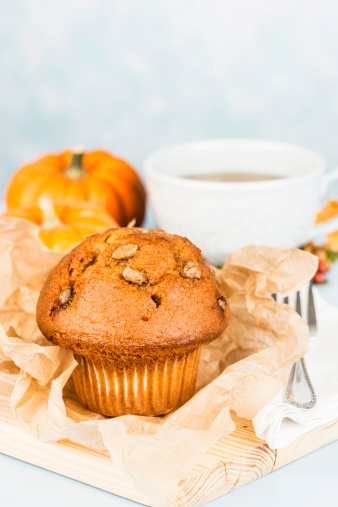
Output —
(134, 306)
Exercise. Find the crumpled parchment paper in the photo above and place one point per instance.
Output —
(242, 370)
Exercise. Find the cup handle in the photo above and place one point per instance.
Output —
(330, 225)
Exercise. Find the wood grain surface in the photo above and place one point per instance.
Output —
(231, 463)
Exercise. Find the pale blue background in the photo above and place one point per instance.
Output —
(135, 75)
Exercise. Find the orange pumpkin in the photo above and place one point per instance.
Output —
(97, 177)
(64, 226)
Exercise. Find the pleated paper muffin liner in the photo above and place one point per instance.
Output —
(141, 390)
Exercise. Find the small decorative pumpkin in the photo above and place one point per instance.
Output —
(64, 226)
(97, 177)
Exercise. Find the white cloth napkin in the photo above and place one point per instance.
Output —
(280, 423)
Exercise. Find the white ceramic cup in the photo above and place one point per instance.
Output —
(220, 217)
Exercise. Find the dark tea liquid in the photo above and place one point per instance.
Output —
(233, 177)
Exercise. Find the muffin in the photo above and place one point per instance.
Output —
(135, 306)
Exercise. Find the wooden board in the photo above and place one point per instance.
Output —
(231, 463)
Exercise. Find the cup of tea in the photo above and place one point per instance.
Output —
(226, 194)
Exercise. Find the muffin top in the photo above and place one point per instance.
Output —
(132, 291)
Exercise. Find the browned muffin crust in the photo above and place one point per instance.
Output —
(132, 292)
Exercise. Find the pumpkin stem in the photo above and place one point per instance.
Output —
(75, 171)
(49, 216)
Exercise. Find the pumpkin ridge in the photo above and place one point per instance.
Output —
(109, 198)
(122, 178)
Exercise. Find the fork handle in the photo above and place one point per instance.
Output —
(299, 390)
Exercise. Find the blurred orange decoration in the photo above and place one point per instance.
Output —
(64, 226)
(329, 210)
(76, 176)
(327, 254)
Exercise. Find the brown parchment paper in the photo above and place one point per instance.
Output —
(242, 370)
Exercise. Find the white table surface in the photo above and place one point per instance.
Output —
(311, 481)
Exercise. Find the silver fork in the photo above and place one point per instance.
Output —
(299, 390)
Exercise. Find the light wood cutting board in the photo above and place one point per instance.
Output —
(231, 463)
